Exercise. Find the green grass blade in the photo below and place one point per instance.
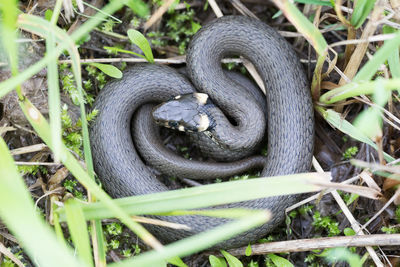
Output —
(370, 121)
(78, 230)
(393, 59)
(8, 85)
(303, 25)
(361, 11)
(9, 11)
(57, 226)
(198, 242)
(9, 14)
(313, 36)
(41, 126)
(358, 88)
(346, 127)
(44, 28)
(207, 195)
(108, 69)
(138, 39)
(370, 68)
(54, 98)
(234, 213)
(17, 211)
(138, 7)
(315, 2)
(56, 13)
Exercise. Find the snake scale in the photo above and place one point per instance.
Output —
(290, 120)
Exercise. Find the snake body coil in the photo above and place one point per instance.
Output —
(289, 115)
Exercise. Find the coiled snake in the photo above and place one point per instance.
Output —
(290, 120)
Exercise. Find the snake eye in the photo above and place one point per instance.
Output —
(173, 124)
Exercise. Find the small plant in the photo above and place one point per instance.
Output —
(304, 209)
(390, 229)
(272, 260)
(228, 258)
(71, 186)
(326, 223)
(126, 253)
(108, 25)
(32, 169)
(114, 229)
(98, 76)
(7, 262)
(180, 27)
(253, 264)
(310, 259)
(397, 212)
(72, 131)
(113, 244)
(350, 152)
(137, 249)
(68, 85)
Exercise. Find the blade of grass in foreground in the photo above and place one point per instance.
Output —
(78, 230)
(207, 195)
(303, 25)
(42, 128)
(17, 211)
(313, 36)
(54, 97)
(371, 67)
(49, 30)
(198, 242)
(393, 60)
(89, 25)
(358, 88)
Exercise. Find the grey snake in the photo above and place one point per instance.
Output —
(289, 122)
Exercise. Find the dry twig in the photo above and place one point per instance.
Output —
(320, 243)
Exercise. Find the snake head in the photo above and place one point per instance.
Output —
(186, 113)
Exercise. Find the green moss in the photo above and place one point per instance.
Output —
(326, 223)
(350, 152)
(180, 26)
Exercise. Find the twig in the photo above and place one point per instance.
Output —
(316, 196)
(9, 237)
(158, 14)
(375, 38)
(253, 72)
(320, 243)
(28, 149)
(215, 8)
(10, 255)
(160, 223)
(5, 129)
(242, 9)
(359, 52)
(174, 60)
(391, 200)
(30, 163)
(354, 224)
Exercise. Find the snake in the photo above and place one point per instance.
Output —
(124, 124)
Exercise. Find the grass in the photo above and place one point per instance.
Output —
(46, 246)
